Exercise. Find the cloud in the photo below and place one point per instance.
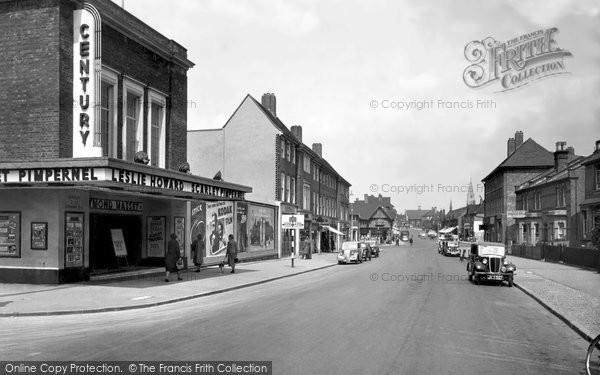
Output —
(420, 83)
(282, 16)
(548, 12)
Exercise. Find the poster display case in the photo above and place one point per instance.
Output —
(10, 234)
(74, 229)
(39, 236)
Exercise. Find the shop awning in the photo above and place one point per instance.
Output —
(590, 202)
(447, 230)
(333, 230)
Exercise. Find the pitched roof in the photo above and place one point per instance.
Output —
(462, 211)
(528, 155)
(475, 209)
(551, 175)
(416, 214)
(593, 158)
(284, 129)
(366, 209)
(275, 120)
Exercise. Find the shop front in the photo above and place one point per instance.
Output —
(64, 220)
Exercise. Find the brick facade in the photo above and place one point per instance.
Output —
(29, 61)
(36, 118)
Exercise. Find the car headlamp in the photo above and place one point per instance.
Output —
(484, 261)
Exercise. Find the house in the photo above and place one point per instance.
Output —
(288, 177)
(590, 207)
(425, 219)
(375, 217)
(524, 161)
(548, 204)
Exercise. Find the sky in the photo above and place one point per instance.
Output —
(348, 71)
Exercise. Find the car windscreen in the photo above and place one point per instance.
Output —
(349, 246)
(491, 250)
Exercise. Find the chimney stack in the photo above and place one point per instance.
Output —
(510, 146)
(597, 149)
(318, 149)
(518, 139)
(269, 102)
(419, 208)
(561, 155)
(366, 198)
(297, 132)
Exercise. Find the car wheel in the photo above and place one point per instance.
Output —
(470, 275)
(510, 281)
(339, 262)
(477, 279)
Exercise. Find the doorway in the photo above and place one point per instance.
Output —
(102, 253)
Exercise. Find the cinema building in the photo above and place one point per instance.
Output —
(93, 124)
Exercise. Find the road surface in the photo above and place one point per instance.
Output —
(411, 311)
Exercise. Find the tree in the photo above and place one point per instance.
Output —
(596, 236)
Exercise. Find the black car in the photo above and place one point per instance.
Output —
(488, 262)
(374, 249)
(367, 253)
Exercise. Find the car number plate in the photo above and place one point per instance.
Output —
(495, 277)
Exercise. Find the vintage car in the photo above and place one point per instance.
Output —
(487, 261)
(374, 248)
(422, 235)
(451, 249)
(351, 252)
(366, 251)
(431, 234)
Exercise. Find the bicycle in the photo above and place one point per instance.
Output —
(592, 360)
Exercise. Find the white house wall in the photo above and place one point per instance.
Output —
(249, 147)
(205, 152)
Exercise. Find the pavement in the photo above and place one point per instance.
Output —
(571, 293)
(148, 290)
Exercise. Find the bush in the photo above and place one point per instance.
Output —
(596, 236)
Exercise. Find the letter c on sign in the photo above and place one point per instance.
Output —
(83, 31)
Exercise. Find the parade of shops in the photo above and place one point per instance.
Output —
(255, 148)
(97, 176)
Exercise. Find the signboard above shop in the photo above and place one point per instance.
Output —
(115, 173)
(515, 214)
(292, 221)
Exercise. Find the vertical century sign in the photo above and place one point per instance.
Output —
(87, 68)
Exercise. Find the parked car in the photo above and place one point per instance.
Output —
(422, 235)
(431, 234)
(404, 236)
(374, 249)
(487, 261)
(351, 252)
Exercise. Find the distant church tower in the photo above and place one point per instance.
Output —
(471, 194)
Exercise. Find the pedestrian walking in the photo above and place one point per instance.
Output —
(411, 240)
(232, 250)
(306, 251)
(198, 252)
(172, 257)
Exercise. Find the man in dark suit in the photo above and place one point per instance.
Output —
(232, 250)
